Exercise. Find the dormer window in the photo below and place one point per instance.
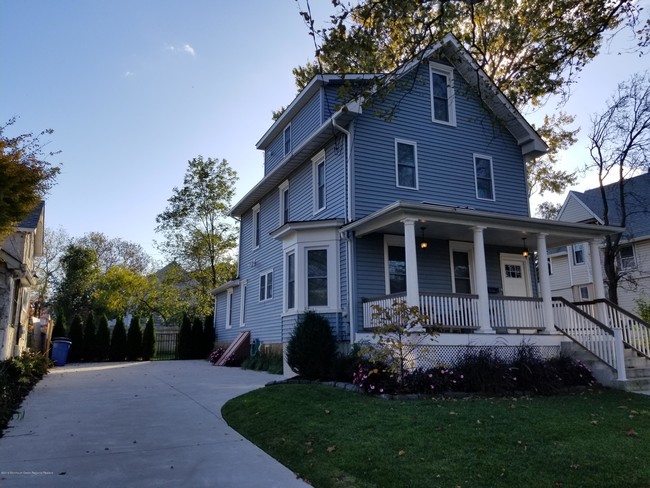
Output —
(443, 108)
(287, 140)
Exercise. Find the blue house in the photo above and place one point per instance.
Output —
(428, 206)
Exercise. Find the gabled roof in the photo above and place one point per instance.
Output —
(31, 222)
(637, 201)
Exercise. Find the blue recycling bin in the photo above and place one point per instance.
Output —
(60, 348)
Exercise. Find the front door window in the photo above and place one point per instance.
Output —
(462, 280)
(397, 269)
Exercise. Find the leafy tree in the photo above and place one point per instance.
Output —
(80, 272)
(76, 336)
(149, 340)
(116, 252)
(196, 233)
(121, 290)
(548, 210)
(619, 146)
(103, 339)
(59, 327)
(90, 338)
(185, 339)
(25, 174)
(530, 49)
(209, 335)
(134, 340)
(118, 341)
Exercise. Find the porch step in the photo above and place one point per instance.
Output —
(637, 368)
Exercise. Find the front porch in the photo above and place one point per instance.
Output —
(459, 313)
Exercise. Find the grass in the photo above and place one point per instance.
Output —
(336, 438)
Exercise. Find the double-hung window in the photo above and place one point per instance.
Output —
(242, 307)
(256, 226)
(484, 177)
(406, 164)
(317, 277)
(443, 108)
(266, 286)
(291, 281)
(319, 182)
(578, 254)
(626, 259)
(287, 139)
(284, 203)
(229, 308)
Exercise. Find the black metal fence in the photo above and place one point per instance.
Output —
(166, 345)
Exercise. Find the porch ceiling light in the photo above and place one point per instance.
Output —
(423, 244)
(525, 253)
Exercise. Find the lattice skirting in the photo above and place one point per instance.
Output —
(437, 355)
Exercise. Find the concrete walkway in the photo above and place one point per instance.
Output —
(149, 424)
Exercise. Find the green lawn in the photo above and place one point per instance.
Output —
(335, 438)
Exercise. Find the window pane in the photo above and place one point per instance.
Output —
(484, 188)
(440, 109)
(269, 285)
(461, 272)
(243, 304)
(396, 269)
(287, 140)
(439, 85)
(262, 287)
(317, 278)
(406, 165)
(285, 205)
(406, 176)
(483, 178)
(440, 98)
(320, 181)
(406, 154)
(291, 281)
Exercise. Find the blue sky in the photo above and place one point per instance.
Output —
(134, 89)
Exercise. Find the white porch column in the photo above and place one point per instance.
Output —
(412, 288)
(545, 284)
(481, 282)
(597, 269)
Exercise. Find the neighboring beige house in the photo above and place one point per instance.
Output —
(571, 272)
(17, 277)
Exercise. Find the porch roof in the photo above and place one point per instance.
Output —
(455, 223)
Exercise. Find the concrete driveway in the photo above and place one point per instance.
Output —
(147, 424)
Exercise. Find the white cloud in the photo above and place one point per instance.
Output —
(185, 48)
(128, 74)
(189, 49)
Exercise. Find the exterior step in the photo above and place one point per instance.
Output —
(635, 384)
(643, 372)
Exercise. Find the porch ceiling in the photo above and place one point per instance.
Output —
(455, 223)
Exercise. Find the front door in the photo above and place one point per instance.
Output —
(515, 276)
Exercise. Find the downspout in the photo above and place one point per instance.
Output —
(349, 240)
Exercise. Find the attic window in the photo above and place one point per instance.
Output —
(443, 108)
(287, 140)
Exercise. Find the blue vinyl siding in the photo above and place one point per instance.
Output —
(331, 100)
(445, 154)
(302, 125)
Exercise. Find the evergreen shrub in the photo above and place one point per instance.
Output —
(103, 339)
(90, 336)
(118, 341)
(149, 341)
(76, 336)
(312, 347)
(134, 340)
(185, 339)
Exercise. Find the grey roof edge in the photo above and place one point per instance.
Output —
(575, 195)
(227, 285)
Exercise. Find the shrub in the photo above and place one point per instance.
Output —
(77, 338)
(216, 355)
(198, 345)
(311, 348)
(90, 335)
(375, 377)
(118, 341)
(485, 372)
(59, 326)
(103, 339)
(134, 340)
(149, 340)
(17, 378)
(344, 364)
(209, 335)
(185, 339)
(264, 360)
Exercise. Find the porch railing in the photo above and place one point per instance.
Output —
(454, 311)
(602, 341)
(636, 332)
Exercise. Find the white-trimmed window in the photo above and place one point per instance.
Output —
(291, 280)
(287, 139)
(584, 293)
(284, 202)
(317, 290)
(626, 258)
(266, 285)
(395, 264)
(256, 226)
(443, 109)
(578, 254)
(461, 255)
(406, 164)
(318, 170)
(229, 308)
(242, 307)
(484, 177)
